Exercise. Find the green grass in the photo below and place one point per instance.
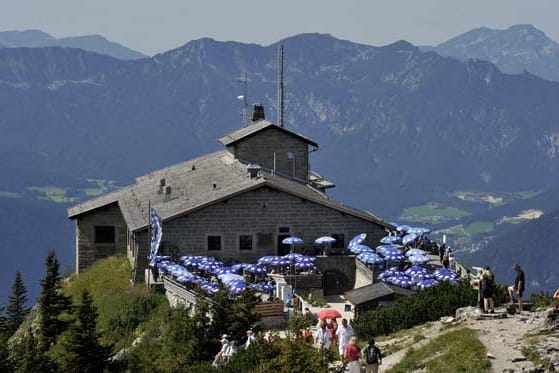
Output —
(123, 309)
(479, 227)
(101, 186)
(456, 351)
(433, 209)
(494, 198)
(52, 193)
(4, 194)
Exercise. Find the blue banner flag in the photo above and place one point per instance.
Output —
(156, 233)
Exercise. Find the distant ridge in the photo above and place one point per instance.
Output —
(92, 43)
(514, 50)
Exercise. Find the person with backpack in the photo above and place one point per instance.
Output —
(487, 286)
(373, 357)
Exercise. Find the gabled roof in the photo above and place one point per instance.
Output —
(199, 183)
(254, 128)
(375, 291)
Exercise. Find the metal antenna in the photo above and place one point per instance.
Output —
(244, 97)
(280, 85)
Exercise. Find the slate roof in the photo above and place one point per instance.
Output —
(192, 188)
(254, 128)
(375, 291)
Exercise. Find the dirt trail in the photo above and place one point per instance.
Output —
(502, 338)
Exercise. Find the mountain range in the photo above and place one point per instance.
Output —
(514, 50)
(397, 126)
(92, 43)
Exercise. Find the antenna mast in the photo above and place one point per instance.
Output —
(244, 97)
(280, 85)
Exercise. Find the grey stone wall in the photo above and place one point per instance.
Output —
(261, 147)
(260, 213)
(88, 251)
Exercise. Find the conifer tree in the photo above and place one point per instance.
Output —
(3, 323)
(26, 356)
(80, 347)
(17, 309)
(52, 304)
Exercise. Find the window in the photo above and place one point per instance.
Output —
(245, 242)
(284, 229)
(214, 243)
(104, 234)
(340, 241)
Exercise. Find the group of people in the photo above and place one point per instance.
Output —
(229, 348)
(349, 351)
(487, 288)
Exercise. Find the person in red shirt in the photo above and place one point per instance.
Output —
(352, 354)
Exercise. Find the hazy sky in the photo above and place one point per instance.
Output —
(153, 26)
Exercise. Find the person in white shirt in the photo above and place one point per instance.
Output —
(251, 339)
(221, 356)
(344, 332)
(323, 337)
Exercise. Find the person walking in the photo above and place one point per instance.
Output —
(251, 339)
(352, 354)
(323, 337)
(345, 332)
(373, 357)
(518, 287)
(220, 358)
(487, 286)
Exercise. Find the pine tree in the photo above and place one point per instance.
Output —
(80, 347)
(52, 304)
(26, 357)
(3, 323)
(16, 310)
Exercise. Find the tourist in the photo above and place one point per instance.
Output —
(251, 339)
(332, 325)
(344, 332)
(518, 287)
(556, 298)
(230, 351)
(372, 356)
(323, 337)
(442, 249)
(352, 354)
(487, 286)
(452, 262)
(220, 358)
(446, 261)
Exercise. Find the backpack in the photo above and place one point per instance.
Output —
(372, 355)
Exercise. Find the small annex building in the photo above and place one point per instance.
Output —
(374, 295)
(238, 203)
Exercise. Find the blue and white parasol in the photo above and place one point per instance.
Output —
(409, 239)
(357, 240)
(419, 259)
(427, 283)
(391, 240)
(411, 252)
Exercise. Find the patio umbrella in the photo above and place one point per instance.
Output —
(402, 281)
(292, 256)
(256, 269)
(427, 283)
(325, 240)
(442, 274)
(268, 259)
(409, 238)
(419, 259)
(388, 249)
(411, 252)
(357, 240)
(328, 313)
(418, 277)
(292, 241)
(394, 258)
(305, 258)
(236, 287)
(360, 249)
(279, 262)
(304, 265)
(239, 266)
(226, 277)
(370, 258)
(210, 288)
(389, 273)
(418, 230)
(223, 270)
(391, 240)
(403, 228)
(412, 271)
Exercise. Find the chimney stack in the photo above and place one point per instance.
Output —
(257, 113)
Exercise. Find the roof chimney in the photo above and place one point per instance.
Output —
(257, 112)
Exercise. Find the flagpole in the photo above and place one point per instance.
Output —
(149, 238)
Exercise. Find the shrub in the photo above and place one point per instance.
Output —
(404, 313)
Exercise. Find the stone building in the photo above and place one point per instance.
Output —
(238, 203)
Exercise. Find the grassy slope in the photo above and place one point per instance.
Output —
(456, 351)
(123, 309)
